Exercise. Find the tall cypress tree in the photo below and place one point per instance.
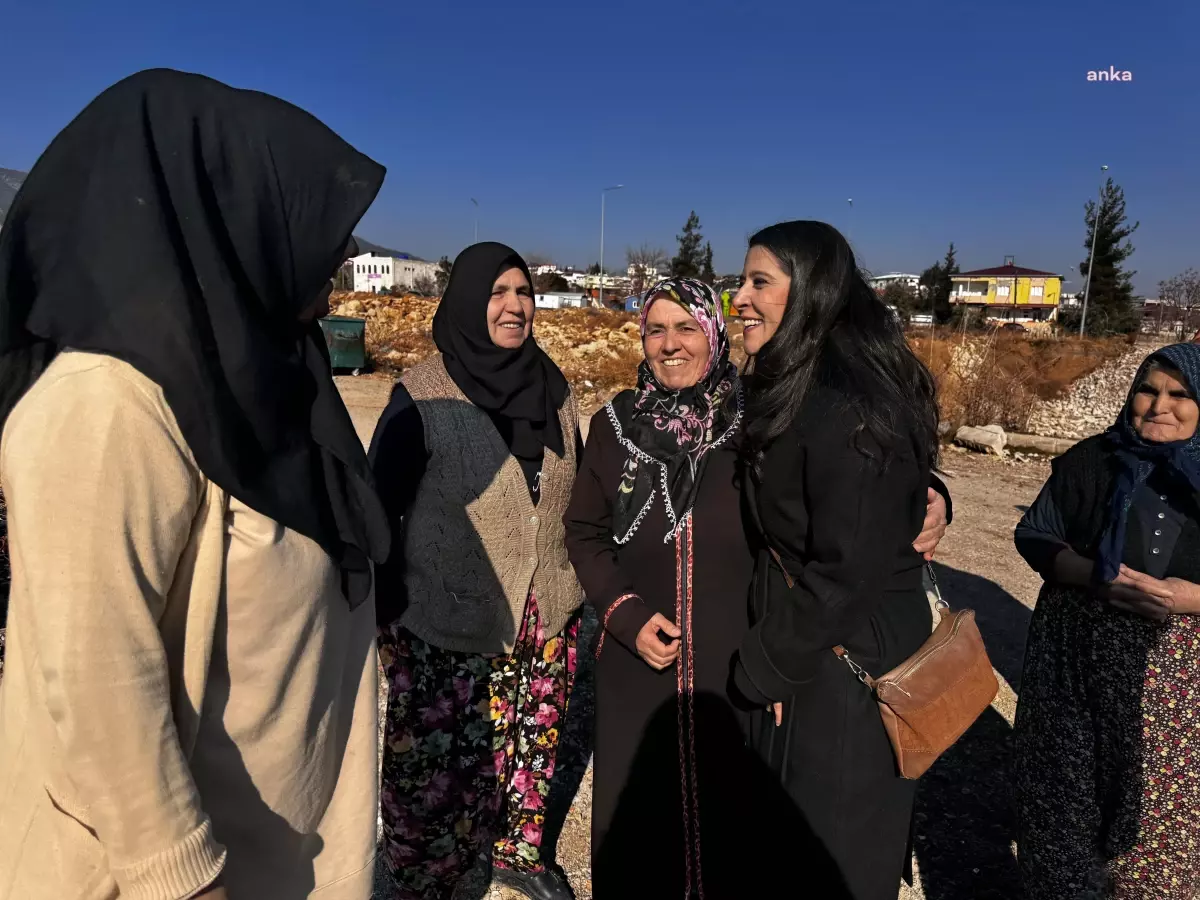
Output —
(707, 275)
(941, 297)
(689, 261)
(1110, 295)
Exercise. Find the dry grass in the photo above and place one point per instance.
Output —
(982, 378)
(997, 378)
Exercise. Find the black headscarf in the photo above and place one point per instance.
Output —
(184, 226)
(521, 389)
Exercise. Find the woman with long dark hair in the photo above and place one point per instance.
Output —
(656, 537)
(839, 441)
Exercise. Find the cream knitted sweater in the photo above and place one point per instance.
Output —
(186, 689)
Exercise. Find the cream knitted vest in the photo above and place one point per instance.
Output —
(474, 543)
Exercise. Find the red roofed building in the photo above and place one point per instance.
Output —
(1009, 293)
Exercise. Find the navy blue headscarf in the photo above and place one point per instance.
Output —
(1138, 458)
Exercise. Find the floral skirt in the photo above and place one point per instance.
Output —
(1108, 753)
(469, 751)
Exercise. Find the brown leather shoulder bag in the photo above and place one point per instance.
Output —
(931, 699)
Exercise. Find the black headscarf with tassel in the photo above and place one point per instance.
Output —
(184, 227)
(521, 389)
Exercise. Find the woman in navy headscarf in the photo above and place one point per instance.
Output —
(1108, 729)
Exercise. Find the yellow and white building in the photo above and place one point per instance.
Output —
(1009, 293)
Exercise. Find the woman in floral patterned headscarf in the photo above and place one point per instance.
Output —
(654, 534)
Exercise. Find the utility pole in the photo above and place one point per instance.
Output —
(603, 195)
(1087, 287)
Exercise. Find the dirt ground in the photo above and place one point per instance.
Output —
(964, 823)
(965, 832)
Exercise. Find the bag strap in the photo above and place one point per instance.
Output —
(841, 652)
(791, 583)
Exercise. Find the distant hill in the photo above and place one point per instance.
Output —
(10, 182)
(368, 247)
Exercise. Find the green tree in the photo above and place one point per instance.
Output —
(594, 269)
(932, 280)
(941, 300)
(904, 299)
(443, 274)
(1110, 307)
(550, 283)
(707, 275)
(689, 261)
(936, 285)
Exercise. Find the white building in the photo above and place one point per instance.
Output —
(611, 282)
(904, 279)
(558, 301)
(647, 273)
(374, 273)
(549, 269)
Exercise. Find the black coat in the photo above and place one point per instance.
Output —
(644, 839)
(843, 524)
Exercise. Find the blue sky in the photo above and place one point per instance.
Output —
(971, 122)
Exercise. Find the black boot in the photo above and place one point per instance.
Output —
(544, 885)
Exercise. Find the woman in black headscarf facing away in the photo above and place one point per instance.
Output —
(475, 457)
(189, 707)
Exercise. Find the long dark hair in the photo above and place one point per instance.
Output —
(836, 332)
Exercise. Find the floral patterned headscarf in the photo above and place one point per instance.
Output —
(668, 433)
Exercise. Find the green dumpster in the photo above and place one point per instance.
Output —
(346, 339)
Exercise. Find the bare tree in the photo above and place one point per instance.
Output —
(644, 263)
(425, 286)
(534, 260)
(1179, 298)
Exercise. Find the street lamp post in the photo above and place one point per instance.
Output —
(476, 202)
(603, 195)
(1087, 285)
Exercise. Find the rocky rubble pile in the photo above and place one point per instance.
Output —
(1091, 404)
(598, 350)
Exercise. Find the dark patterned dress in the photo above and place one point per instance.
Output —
(469, 750)
(1108, 726)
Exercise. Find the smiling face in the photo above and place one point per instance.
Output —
(1163, 407)
(675, 345)
(762, 299)
(510, 310)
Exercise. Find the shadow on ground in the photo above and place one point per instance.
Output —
(964, 825)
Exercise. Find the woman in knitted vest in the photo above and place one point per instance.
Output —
(1107, 730)
(475, 458)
